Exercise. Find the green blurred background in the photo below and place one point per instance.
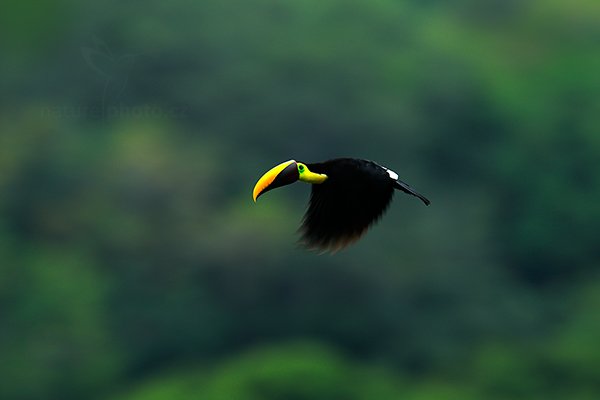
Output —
(135, 266)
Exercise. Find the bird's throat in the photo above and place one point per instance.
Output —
(311, 177)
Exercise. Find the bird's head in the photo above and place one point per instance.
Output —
(284, 174)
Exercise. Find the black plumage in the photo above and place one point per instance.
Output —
(354, 196)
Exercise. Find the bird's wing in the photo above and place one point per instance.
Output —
(339, 213)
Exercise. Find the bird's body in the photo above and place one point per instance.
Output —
(355, 195)
(348, 196)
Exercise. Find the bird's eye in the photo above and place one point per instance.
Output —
(301, 168)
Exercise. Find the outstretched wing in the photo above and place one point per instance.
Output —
(341, 210)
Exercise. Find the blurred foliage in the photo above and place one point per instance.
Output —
(134, 265)
(292, 372)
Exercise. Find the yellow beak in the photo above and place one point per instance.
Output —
(280, 175)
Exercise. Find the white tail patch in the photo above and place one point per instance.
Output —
(392, 174)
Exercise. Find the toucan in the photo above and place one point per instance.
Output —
(348, 195)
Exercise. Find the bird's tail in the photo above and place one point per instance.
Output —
(407, 189)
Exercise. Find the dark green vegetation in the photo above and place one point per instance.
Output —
(135, 266)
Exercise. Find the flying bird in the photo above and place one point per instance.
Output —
(348, 196)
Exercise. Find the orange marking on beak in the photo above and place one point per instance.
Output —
(267, 179)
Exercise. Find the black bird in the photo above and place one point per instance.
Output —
(348, 196)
